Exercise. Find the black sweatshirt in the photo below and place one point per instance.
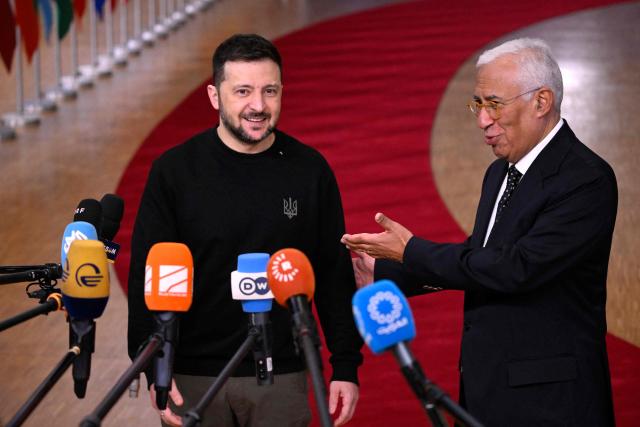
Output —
(222, 203)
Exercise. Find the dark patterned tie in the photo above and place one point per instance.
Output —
(513, 178)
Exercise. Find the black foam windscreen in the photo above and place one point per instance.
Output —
(89, 210)
(112, 211)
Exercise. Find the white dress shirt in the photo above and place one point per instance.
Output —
(522, 166)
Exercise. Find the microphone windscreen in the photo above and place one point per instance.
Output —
(85, 280)
(77, 230)
(168, 278)
(289, 273)
(253, 262)
(249, 283)
(383, 315)
(112, 211)
(89, 210)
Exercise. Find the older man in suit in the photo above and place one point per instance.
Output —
(534, 269)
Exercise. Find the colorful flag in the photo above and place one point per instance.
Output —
(27, 20)
(99, 4)
(7, 34)
(114, 4)
(47, 16)
(79, 6)
(65, 17)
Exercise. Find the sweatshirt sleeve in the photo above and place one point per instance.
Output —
(335, 286)
(155, 222)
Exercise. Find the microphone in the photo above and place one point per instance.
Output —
(292, 282)
(112, 211)
(77, 230)
(384, 320)
(89, 210)
(85, 292)
(168, 288)
(250, 286)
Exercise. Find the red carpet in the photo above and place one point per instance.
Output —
(364, 90)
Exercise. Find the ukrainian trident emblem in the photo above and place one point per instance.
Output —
(290, 207)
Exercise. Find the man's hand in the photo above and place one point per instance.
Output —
(389, 244)
(348, 393)
(363, 267)
(167, 414)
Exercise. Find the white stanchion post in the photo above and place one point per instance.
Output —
(148, 35)
(87, 73)
(105, 61)
(178, 14)
(40, 103)
(120, 52)
(20, 117)
(160, 28)
(133, 45)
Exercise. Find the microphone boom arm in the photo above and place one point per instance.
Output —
(305, 334)
(194, 416)
(139, 364)
(44, 387)
(52, 304)
(429, 394)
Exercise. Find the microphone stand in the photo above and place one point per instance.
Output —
(44, 387)
(262, 347)
(430, 395)
(43, 275)
(139, 364)
(29, 273)
(304, 333)
(82, 333)
(51, 303)
(193, 416)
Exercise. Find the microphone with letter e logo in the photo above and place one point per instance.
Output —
(85, 292)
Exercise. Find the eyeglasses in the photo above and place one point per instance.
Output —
(493, 108)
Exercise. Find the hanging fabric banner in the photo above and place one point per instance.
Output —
(47, 17)
(7, 34)
(65, 17)
(100, 8)
(79, 6)
(27, 20)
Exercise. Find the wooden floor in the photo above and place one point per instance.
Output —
(80, 152)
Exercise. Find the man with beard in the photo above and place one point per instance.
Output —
(239, 188)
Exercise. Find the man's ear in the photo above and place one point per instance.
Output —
(545, 100)
(213, 96)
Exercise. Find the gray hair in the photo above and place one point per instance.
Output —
(537, 65)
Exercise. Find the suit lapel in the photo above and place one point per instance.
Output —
(531, 186)
(495, 175)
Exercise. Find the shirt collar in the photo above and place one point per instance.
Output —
(524, 163)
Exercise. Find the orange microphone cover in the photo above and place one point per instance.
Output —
(168, 278)
(289, 273)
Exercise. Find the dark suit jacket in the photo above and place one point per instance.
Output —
(533, 347)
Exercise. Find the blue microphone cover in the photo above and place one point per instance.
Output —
(383, 315)
(254, 292)
(77, 230)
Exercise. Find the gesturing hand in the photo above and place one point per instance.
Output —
(389, 244)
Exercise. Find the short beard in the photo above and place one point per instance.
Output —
(240, 134)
